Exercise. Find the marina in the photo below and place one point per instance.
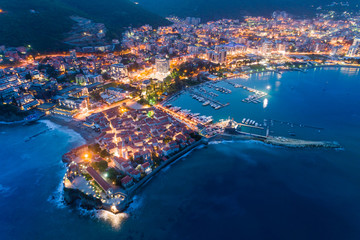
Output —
(206, 100)
(212, 94)
(282, 123)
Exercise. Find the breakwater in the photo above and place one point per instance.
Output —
(280, 141)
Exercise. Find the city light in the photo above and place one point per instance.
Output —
(126, 131)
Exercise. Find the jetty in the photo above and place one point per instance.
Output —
(208, 92)
(37, 134)
(204, 98)
(255, 98)
(298, 143)
(233, 131)
(219, 89)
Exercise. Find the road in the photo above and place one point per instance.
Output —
(82, 116)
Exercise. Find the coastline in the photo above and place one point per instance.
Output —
(86, 133)
(90, 202)
(173, 159)
(11, 123)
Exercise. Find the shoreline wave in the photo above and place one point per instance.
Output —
(75, 136)
(57, 197)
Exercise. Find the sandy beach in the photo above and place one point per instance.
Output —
(87, 133)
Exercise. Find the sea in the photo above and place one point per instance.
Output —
(226, 190)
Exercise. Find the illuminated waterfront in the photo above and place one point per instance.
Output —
(293, 97)
(247, 188)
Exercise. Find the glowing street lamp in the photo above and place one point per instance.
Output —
(114, 209)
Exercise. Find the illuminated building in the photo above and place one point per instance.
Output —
(162, 65)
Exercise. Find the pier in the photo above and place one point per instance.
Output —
(219, 89)
(252, 98)
(235, 85)
(212, 94)
(231, 131)
(211, 101)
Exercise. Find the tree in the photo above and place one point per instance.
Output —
(28, 76)
(140, 160)
(112, 174)
(101, 166)
(167, 80)
(195, 136)
(155, 159)
(104, 153)
(95, 147)
(106, 76)
(14, 101)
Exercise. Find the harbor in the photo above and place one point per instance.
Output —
(254, 117)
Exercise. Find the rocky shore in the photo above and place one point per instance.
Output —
(71, 196)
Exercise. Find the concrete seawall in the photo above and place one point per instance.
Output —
(146, 179)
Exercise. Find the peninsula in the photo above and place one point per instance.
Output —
(135, 144)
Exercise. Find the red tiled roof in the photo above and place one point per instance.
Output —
(96, 176)
(135, 172)
(125, 180)
(145, 165)
(119, 160)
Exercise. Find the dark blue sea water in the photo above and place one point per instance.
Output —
(228, 190)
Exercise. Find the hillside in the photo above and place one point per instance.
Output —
(216, 9)
(44, 23)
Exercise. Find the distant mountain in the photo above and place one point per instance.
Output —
(43, 24)
(217, 9)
